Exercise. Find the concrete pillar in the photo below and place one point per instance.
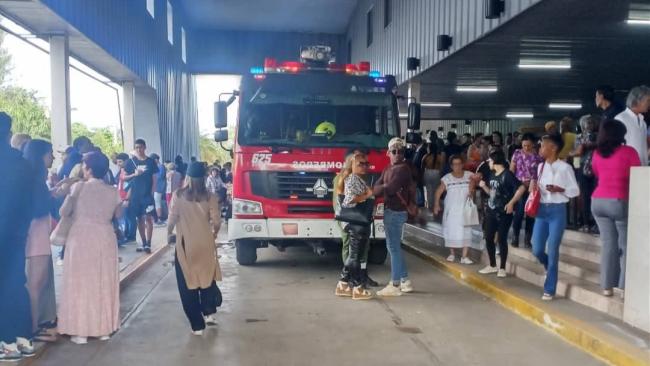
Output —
(60, 80)
(128, 94)
(636, 310)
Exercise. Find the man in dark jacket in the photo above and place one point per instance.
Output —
(398, 188)
(16, 214)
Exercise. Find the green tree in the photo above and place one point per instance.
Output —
(103, 138)
(26, 110)
(211, 151)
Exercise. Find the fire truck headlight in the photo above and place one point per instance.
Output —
(379, 210)
(245, 207)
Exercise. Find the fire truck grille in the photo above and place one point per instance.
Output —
(312, 186)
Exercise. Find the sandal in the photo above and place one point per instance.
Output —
(45, 336)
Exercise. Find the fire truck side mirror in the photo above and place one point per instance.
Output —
(414, 116)
(220, 114)
(221, 135)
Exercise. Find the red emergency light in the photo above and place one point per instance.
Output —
(364, 66)
(292, 66)
(270, 64)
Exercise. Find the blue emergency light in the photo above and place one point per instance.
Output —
(374, 74)
(257, 70)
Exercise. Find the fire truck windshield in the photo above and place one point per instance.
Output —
(367, 120)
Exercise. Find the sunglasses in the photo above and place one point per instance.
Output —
(397, 152)
(363, 164)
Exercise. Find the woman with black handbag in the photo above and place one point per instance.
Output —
(356, 212)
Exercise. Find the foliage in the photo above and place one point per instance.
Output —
(212, 151)
(103, 138)
(26, 110)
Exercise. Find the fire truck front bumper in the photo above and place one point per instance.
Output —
(293, 229)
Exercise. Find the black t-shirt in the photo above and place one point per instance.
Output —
(142, 185)
(502, 189)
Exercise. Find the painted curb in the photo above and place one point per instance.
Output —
(600, 345)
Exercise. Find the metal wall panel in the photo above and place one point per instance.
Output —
(414, 28)
(235, 52)
(128, 33)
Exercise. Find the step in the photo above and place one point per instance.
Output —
(580, 237)
(571, 287)
(570, 265)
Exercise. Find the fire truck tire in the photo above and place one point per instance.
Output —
(378, 252)
(246, 252)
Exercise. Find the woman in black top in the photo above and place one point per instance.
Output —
(504, 190)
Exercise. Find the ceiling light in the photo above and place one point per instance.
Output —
(519, 115)
(638, 21)
(477, 89)
(542, 64)
(436, 104)
(565, 106)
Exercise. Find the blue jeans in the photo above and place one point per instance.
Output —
(394, 224)
(547, 236)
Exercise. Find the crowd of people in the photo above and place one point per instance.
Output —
(89, 207)
(498, 177)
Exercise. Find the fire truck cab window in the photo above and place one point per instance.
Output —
(288, 121)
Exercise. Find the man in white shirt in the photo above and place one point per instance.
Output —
(638, 103)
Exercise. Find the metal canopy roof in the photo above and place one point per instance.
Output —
(592, 36)
(311, 16)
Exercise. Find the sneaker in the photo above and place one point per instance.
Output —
(501, 273)
(79, 340)
(515, 242)
(466, 260)
(160, 224)
(406, 286)
(547, 297)
(608, 292)
(197, 332)
(367, 281)
(59, 262)
(25, 346)
(390, 290)
(489, 270)
(9, 352)
(211, 319)
(343, 289)
(139, 249)
(147, 250)
(360, 293)
(451, 258)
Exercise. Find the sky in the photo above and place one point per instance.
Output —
(93, 103)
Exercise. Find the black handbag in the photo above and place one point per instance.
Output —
(361, 214)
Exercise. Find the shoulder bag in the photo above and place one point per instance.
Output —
(535, 197)
(60, 233)
(360, 214)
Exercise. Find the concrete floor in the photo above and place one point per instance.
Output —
(282, 311)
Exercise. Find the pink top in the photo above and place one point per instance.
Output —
(615, 173)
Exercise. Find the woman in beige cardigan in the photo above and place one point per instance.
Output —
(195, 214)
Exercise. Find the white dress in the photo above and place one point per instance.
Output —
(456, 234)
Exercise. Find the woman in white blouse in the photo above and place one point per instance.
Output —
(557, 185)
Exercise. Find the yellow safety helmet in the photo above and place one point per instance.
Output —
(326, 128)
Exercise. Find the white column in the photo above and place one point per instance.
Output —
(636, 310)
(60, 80)
(128, 95)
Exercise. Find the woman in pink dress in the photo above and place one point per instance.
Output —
(91, 291)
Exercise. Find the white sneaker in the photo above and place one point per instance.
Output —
(197, 332)
(59, 262)
(547, 297)
(501, 273)
(25, 346)
(104, 338)
(489, 270)
(466, 260)
(406, 286)
(451, 258)
(390, 290)
(211, 319)
(79, 340)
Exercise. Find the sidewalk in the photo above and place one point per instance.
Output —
(598, 334)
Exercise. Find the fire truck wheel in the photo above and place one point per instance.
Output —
(378, 252)
(246, 252)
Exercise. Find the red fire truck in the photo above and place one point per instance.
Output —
(296, 122)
